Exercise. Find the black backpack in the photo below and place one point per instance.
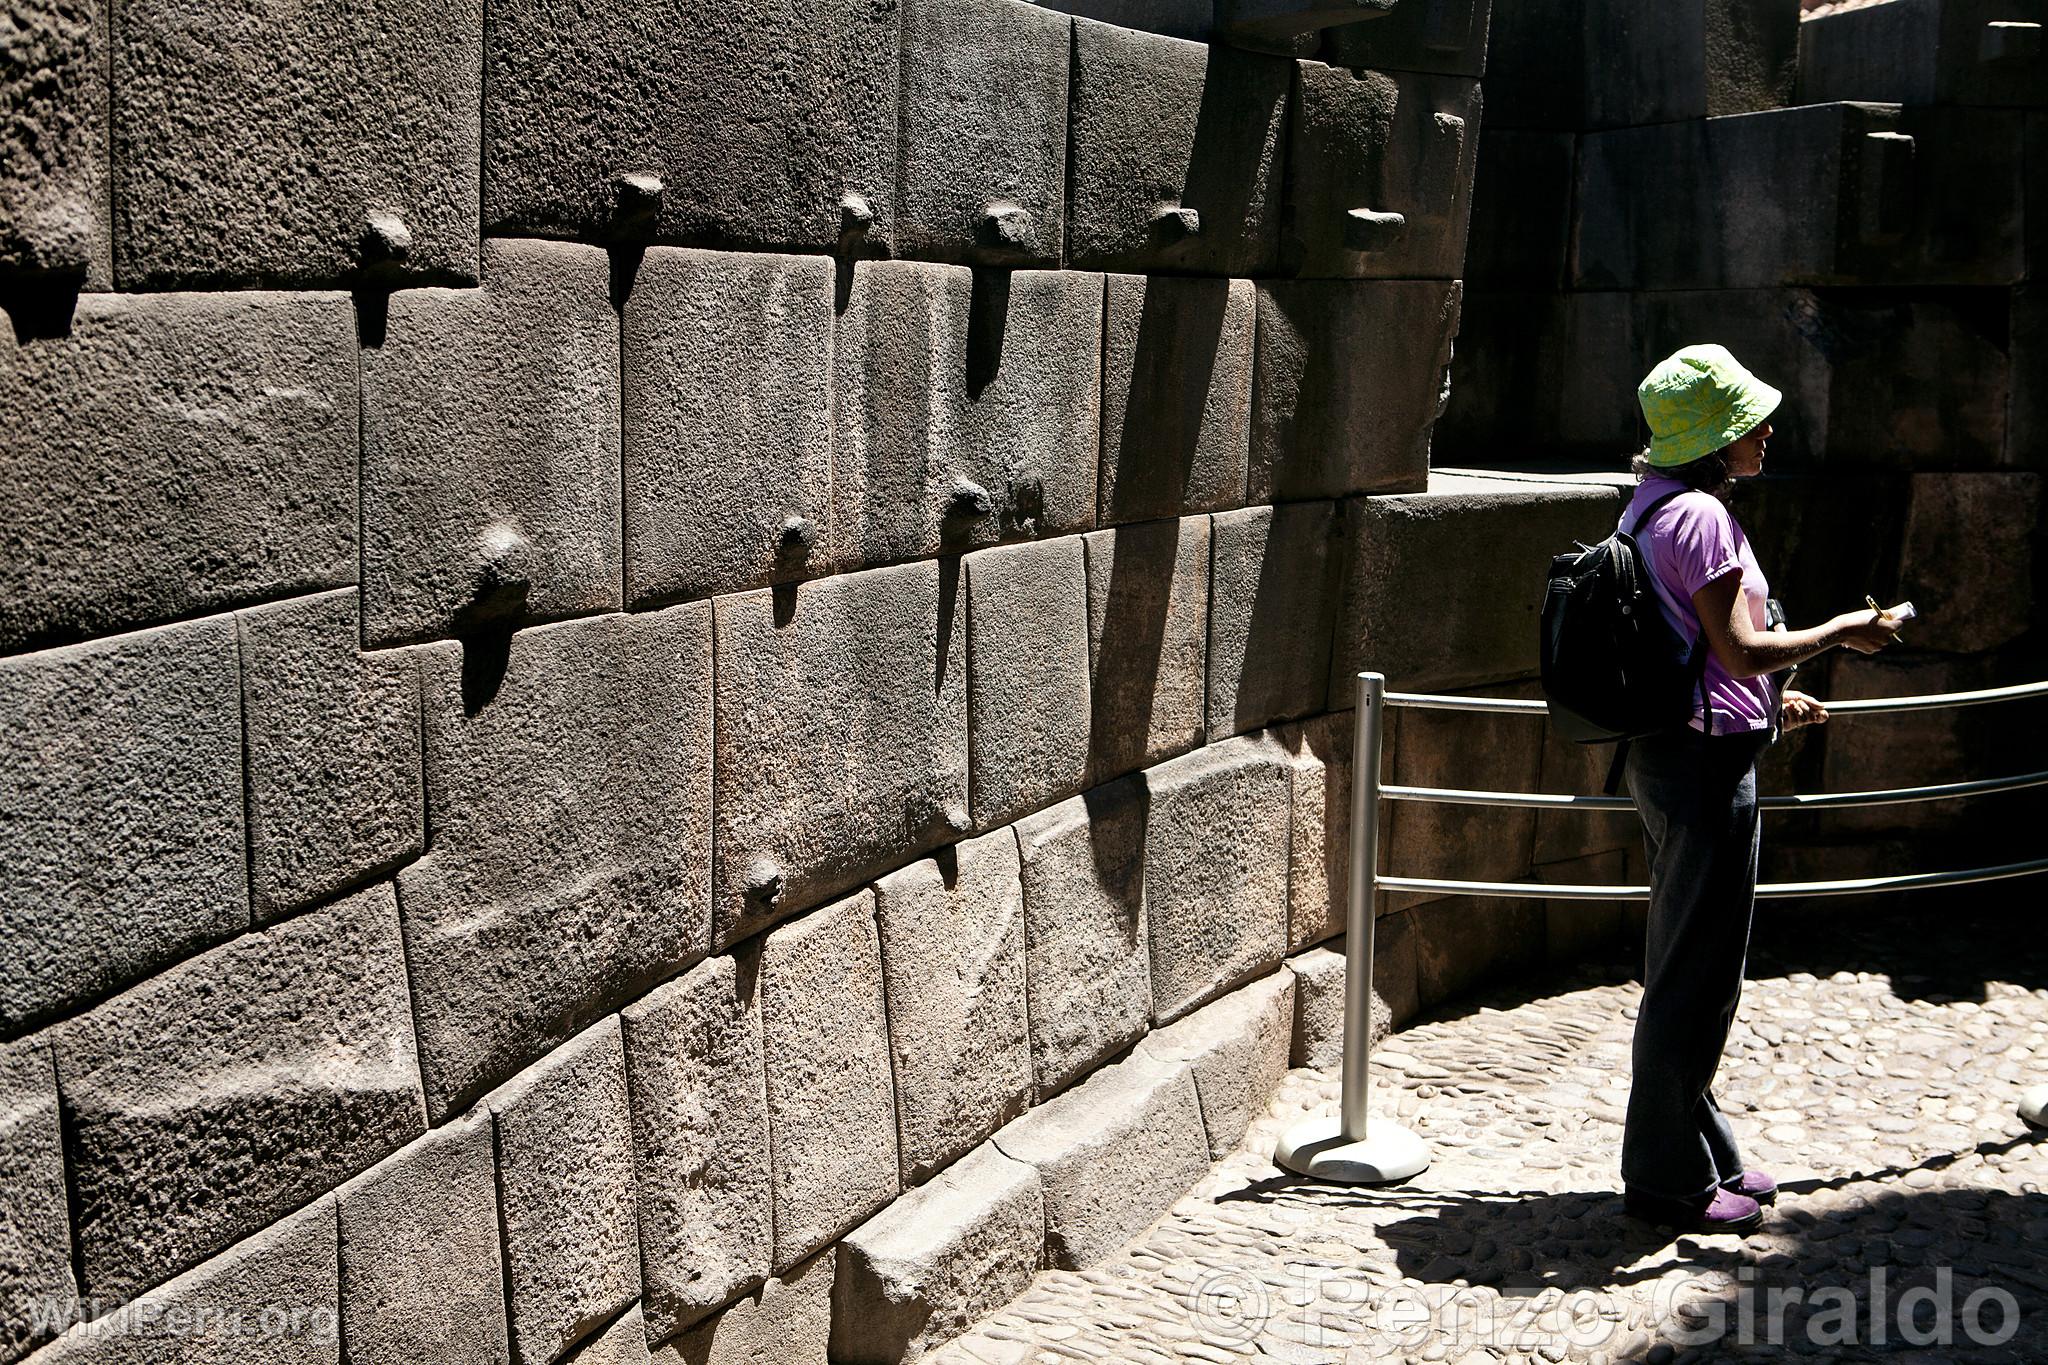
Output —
(1613, 667)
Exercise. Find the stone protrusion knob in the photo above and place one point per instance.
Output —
(1373, 230)
(1006, 227)
(1885, 185)
(797, 538)
(386, 241)
(765, 881)
(2010, 40)
(1174, 223)
(969, 501)
(636, 203)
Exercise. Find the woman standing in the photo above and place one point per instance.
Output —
(1696, 787)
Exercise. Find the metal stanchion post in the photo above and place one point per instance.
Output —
(2034, 1107)
(1340, 1148)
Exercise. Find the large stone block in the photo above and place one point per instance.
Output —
(1319, 839)
(1379, 173)
(212, 1099)
(1192, 19)
(491, 449)
(213, 173)
(38, 1296)
(1970, 564)
(1317, 1039)
(569, 858)
(787, 1321)
(1027, 677)
(1463, 548)
(935, 1262)
(1289, 25)
(421, 1275)
(1447, 36)
(1274, 571)
(624, 1342)
(1176, 396)
(1087, 949)
(1984, 52)
(966, 408)
(120, 816)
(272, 1300)
(1148, 643)
(727, 381)
(1215, 870)
(1351, 378)
(175, 456)
(831, 1102)
(335, 791)
(983, 133)
(1112, 1154)
(842, 736)
(773, 126)
(1463, 942)
(564, 1139)
(1176, 154)
(1627, 63)
(1237, 1048)
(2026, 432)
(53, 144)
(700, 1125)
(952, 935)
(1521, 225)
(1545, 375)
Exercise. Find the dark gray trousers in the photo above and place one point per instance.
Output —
(1697, 797)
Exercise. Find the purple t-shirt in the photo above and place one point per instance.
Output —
(1690, 542)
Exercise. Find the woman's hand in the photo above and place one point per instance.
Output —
(1866, 632)
(1797, 709)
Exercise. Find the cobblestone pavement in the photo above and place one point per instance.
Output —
(1873, 1073)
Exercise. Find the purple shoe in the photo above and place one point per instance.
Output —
(1755, 1184)
(1722, 1211)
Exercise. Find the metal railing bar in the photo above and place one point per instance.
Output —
(1935, 701)
(1430, 702)
(1460, 796)
(1855, 886)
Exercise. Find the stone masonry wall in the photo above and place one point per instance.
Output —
(675, 680)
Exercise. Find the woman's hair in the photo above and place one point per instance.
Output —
(1708, 474)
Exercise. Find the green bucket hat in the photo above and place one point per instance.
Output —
(1697, 400)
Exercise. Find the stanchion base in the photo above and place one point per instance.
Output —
(2034, 1106)
(1316, 1148)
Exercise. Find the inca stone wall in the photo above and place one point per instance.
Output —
(1853, 203)
(675, 680)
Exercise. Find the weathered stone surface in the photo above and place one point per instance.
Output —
(1215, 870)
(1274, 571)
(121, 818)
(215, 177)
(1027, 677)
(1351, 377)
(1087, 948)
(842, 737)
(1237, 1048)
(1379, 173)
(1396, 975)
(831, 1105)
(1281, 25)
(570, 847)
(937, 1260)
(53, 141)
(420, 1270)
(983, 128)
(1148, 643)
(272, 1300)
(1521, 223)
(952, 936)
(1317, 1034)
(1176, 396)
(1574, 769)
(1112, 1154)
(138, 495)
(1969, 563)
(1576, 930)
(700, 1129)
(1544, 374)
(211, 1099)
(1192, 19)
(37, 1293)
(1176, 154)
(773, 126)
(1447, 36)
(624, 1342)
(1925, 52)
(1462, 942)
(727, 381)
(1319, 839)
(1495, 751)
(566, 1194)
(787, 1321)
(2026, 434)
(335, 791)
(1416, 547)
(491, 448)
(966, 408)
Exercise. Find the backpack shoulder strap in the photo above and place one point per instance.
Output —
(1654, 507)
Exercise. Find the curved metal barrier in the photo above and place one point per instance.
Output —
(1345, 1148)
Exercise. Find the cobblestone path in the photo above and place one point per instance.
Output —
(1874, 1073)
